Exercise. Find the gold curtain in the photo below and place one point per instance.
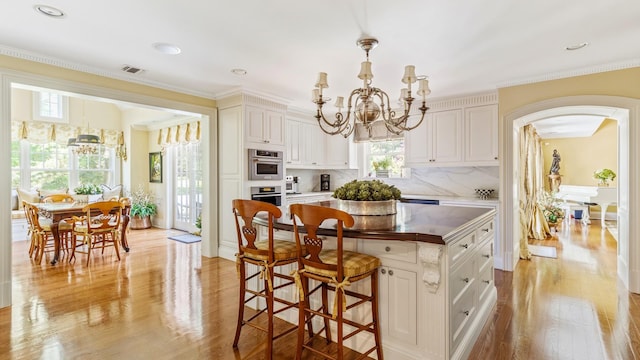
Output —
(39, 132)
(179, 134)
(532, 221)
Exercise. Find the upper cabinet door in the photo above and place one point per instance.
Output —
(292, 136)
(264, 126)
(446, 136)
(417, 146)
(274, 126)
(481, 135)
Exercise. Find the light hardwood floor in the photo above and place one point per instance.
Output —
(164, 301)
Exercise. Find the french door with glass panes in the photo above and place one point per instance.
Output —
(188, 186)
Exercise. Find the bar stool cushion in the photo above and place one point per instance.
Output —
(282, 250)
(354, 263)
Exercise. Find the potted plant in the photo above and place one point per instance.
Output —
(371, 202)
(550, 206)
(381, 167)
(142, 207)
(604, 175)
(86, 193)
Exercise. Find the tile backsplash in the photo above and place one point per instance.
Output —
(444, 181)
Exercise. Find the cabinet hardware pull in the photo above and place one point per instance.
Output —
(383, 271)
(466, 246)
(466, 280)
(390, 272)
(485, 230)
(486, 255)
(466, 312)
(495, 158)
(486, 281)
(387, 249)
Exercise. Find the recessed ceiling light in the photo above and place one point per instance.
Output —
(577, 46)
(239, 72)
(49, 11)
(168, 49)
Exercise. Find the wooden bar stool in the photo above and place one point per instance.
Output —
(334, 270)
(267, 255)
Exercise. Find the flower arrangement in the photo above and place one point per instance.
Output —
(549, 205)
(367, 190)
(87, 189)
(142, 203)
(604, 175)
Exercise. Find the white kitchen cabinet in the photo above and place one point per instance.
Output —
(293, 149)
(398, 308)
(338, 151)
(264, 126)
(313, 145)
(436, 142)
(481, 135)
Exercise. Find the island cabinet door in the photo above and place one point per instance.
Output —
(398, 310)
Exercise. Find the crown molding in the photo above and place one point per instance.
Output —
(39, 58)
(589, 70)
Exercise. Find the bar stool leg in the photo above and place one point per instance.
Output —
(302, 316)
(269, 299)
(240, 304)
(325, 310)
(374, 314)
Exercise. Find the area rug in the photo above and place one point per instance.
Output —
(186, 238)
(543, 251)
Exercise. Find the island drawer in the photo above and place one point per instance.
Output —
(486, 230)
(484, 256)
(460, 247)
(462, 315)
(461, 279)
(485, 283)
(394, 250)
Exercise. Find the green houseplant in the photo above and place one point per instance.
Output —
(86, 193)
(87, 189)
(367, 190)
(142, 208)
(550, 206)
(371, 202)
(604, 175)
(381, 167)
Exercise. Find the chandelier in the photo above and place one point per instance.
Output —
(84, 144)
(371, 104)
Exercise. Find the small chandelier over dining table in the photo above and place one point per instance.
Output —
(84, 144)
(371, 104)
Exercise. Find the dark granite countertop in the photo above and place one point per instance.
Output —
(413, 222)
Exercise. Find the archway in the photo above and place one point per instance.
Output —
(626, 112)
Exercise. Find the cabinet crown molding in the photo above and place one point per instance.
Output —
(481, 99)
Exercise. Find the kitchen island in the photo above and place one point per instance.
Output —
(436, 279)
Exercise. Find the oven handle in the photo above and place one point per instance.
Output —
(265, 195)
(268, 160)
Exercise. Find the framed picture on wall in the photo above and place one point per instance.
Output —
(155, 167)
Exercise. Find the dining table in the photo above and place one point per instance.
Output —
(59, 211)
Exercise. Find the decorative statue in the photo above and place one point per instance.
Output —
(555, 164)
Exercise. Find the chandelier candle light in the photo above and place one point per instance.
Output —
(363, 100)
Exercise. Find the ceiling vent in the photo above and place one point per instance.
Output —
(131, 69)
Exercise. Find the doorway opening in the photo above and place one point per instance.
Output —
(512, 125)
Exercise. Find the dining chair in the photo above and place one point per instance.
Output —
(333, 270)
(267, 255)
(58, 198)
(99, 226)
(41, 235)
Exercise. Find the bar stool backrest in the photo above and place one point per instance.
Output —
(245, 211)
(312, 217)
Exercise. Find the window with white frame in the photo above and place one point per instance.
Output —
(50, 106)
(384, 158)
(54, 166)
